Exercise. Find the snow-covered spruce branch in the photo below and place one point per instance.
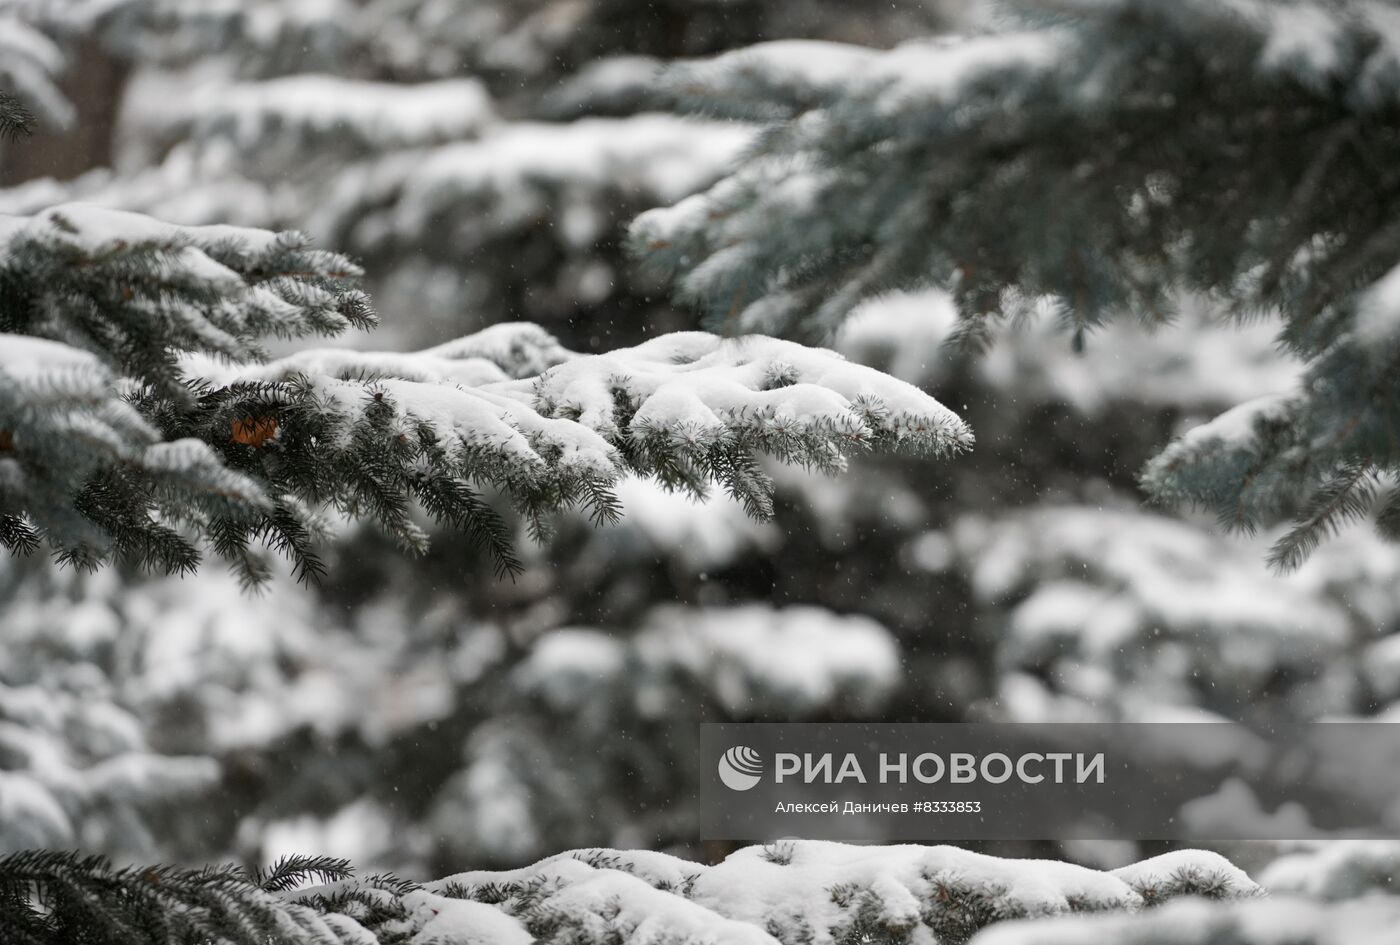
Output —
(139, 418)
(1188, 922)
(799, 891)
(1073, 161)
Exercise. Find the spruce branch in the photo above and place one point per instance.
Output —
(15, 118)
(1388, 517)
(294, 870)
(1346, 496)
(1095, 160)
(59, 898)
(145, 423)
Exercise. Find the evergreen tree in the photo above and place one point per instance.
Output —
(443, 719)
(249, 136)
(1091, 160)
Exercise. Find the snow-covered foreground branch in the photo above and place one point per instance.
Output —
(809, 892)
(139, 418)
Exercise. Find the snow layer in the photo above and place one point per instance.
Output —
(1276, 921)
(27, 359)
(808, 891)
(457, 922)
(1236, 428)
(1336, 870)
(797, 661)
(696, 384)
(1378, 314)
(95, 229)
(1201, 362)
(915, 72)
(674, 395)
(753, 660)
(516, 173)
(382, 115)
(1129, 614)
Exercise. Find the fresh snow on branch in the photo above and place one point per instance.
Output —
(782, 894)
(514, 173)
(794, 891)
(1271, 922)
(752, 660)
(979, 164)
(370, 115)
(186, 435)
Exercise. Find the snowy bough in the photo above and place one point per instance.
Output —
(1093, 160)
(796, 892)
(788, 893)
(140, 418)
